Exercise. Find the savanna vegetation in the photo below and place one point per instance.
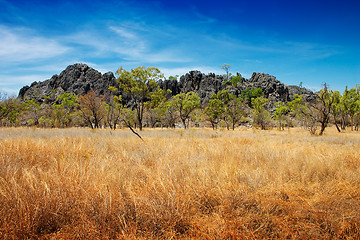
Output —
(149, 106)
(70, 169)
(179, 184)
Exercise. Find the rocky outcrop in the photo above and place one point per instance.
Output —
(171, 84)
(204, 85)
(308, 95)
(273, 89)
(78, 78)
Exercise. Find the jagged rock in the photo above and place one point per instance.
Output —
(171, 84)
(78, 78)
(273, 89)
(308, 95)
(204, 85)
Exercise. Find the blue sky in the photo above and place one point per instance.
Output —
(312, 42)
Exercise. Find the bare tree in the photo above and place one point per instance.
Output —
(319, 111)
(92, 109)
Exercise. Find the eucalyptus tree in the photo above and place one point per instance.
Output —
(226, 67)
(185, 104)
(259, 113)
(215, 111)
(139, 83)
(64, 106)
(281, 109)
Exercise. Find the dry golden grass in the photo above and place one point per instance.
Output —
(194, 184)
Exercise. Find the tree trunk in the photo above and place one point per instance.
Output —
(323, 126)
(140, 122)
(184, 122)
(337, 127)
(279, 124)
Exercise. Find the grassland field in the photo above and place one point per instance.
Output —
(179, 184)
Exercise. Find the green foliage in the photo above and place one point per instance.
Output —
(226, 67)
(114, 111)
(350, 105)
(281, 109)
(259, 113)
(250, 93)
(185, 104)
(139, 83)
(169, 114)
(65, 106)
(157, 98)
(113, 89)
(215, 110)
(225, 106)
(174, 77)
(235, 80)
(297, 105)
(9, 111)
(224, 96)
(235, 111)
(323, 107)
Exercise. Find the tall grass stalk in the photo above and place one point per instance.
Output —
(194, 184)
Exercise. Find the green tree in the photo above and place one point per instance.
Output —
(322, 107)
(226, 67)
(319, 111)
(259, 113)
(10, 109)
(300, 110)
(336, 108)
(153, 111)
(169, 114)
(249, 93)
(64, 106)
(32, 111)
(139, 83)
(214, 110)
(235, 80)
(185, 104)
(281, 109)
(114, 111)
(235, 110)
(350, 105)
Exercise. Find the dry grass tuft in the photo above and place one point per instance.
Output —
(194, 184)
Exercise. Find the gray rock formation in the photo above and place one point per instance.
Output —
(308, 95)
(204, 85)
(273, 89)
(78, 78)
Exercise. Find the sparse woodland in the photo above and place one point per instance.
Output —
(239, 167)
(151, 107)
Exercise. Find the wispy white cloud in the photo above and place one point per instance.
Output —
(123, 32)
(6, 80)
(136, 46)
(310, 50)
(21, 45)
